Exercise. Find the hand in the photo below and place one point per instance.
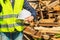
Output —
(29, 19)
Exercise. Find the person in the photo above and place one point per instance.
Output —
(10, 29)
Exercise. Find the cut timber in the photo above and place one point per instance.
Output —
(56, 38)
(55, 30)
(49, 24)
(53, 4)
(47, 20)
(32, 32)
(50, 15)
(29, 30)
(34, 5)
(31, 0)
(37, 35)
(57, 8)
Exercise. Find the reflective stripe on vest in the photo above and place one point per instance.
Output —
(1, 18)
(11, 27)
(9, 15)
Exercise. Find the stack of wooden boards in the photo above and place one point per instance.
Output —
(50, 17)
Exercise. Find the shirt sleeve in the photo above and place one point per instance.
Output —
(29, 8)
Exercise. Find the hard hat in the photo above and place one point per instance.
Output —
(24, 14)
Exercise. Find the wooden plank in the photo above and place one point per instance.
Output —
(31, 0)
(49, 24)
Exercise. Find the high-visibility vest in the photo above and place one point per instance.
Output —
(9, 16)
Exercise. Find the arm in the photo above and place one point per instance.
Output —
(29, 8)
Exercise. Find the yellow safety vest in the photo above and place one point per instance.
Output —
(9, 16)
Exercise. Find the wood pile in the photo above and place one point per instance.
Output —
(48, 17)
